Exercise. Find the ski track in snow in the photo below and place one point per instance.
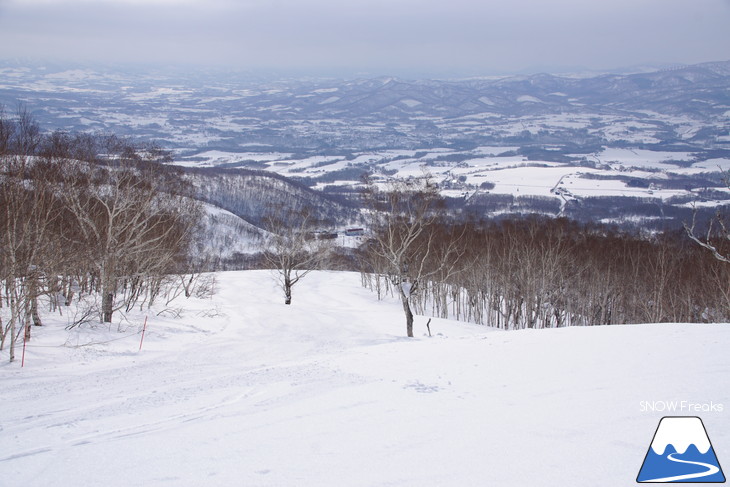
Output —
(328, 392)
(224, 392)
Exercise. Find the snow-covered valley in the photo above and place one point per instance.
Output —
(240, 389)
(639, 150)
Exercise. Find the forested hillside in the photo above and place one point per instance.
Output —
(106, 220)
(253, 195)
(85, 215)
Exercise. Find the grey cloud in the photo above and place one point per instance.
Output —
(375, 35)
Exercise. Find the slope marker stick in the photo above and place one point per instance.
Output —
(144, 328)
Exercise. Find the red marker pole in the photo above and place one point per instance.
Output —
(144, 328)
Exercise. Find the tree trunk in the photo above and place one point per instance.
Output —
(287, 290)
(14, 316)
(107, 283)
(34, 311)
(107, 306)
(409, 314)
(32, 301)
(13, 335)
(69, 297)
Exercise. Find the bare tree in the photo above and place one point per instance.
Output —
(293, 247)
(30, 212)
(83, 213)
(716, 239)
(408, 242)
(131, 224)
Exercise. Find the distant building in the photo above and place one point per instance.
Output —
(355, 232)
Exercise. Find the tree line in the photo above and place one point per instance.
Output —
(85, 214)
(100, 216)
(537, 272)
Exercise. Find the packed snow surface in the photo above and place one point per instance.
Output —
(242, 390)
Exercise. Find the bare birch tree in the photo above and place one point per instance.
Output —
(293, 248)
(407, 241)
(30, 212)
(716, 239)
(96, 211)
(130, 223)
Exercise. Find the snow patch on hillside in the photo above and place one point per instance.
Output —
(528, 99)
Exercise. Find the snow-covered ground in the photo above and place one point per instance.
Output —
(241, 390)
(510, 174)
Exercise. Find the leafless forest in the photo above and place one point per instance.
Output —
(539, 272)
(99, 218)
(83, 215)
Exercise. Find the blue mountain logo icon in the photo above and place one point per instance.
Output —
(680, 452)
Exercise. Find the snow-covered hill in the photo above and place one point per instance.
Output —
(243, 390)
(637, 149)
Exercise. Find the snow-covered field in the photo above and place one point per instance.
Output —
(510, 174)
(241, 390)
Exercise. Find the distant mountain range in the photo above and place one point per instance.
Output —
(190, 110)
(643, 148)
(700, 90)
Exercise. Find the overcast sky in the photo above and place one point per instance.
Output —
(463, 37)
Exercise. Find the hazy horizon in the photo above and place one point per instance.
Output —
(414, 38)
(283, 73)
